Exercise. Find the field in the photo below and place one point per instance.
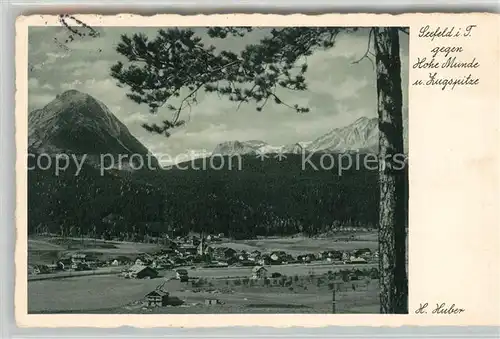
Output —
(87, 295)
(301, 245)
(44, 250)
(103, 291)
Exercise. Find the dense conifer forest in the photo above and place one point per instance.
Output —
(247, 197)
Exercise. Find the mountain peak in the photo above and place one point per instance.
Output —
(363, 122)
(238, 147)
(363, 118)
(75, 122)
(72, 92)
(73, 95)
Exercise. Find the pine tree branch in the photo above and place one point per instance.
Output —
(405, 30)
(366, 55)
(163, 72)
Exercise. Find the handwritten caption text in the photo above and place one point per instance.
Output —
(446, 57)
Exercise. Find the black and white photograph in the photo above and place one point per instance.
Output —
(217, 170)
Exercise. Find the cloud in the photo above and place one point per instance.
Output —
(102, 89)
(135, 118)
(338, 92)
(34, 84)
(65, 86)
(36, 101)
(39, 94)
(48, 87)
(54, 57)
(350, 88)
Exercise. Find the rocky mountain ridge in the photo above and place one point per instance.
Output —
(362, 135)
(76, 123)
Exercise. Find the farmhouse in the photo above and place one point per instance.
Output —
(142, 272)
(335, 255)
(264, 260)
(64, 264)
(229, 252)
(182, 274)
(157, 298)
(188, 249)
(143, 260)
(243, 256)
(259, 272)
(222, 253)
(255, 253)
(278, 257)
(78, 258)
(304, 258)
(230, 261)
(42, 269)
(363, 253)
(81, 266)
(209, 302)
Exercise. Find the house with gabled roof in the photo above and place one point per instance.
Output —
(259, 272)
(141, 272)
(157, 298)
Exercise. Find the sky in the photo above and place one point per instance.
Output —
(339, 91)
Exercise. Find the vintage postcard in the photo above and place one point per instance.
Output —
(257, 169)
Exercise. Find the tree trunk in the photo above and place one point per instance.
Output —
(392, 228)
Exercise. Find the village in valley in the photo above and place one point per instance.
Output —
(209, 271)
(219, 208)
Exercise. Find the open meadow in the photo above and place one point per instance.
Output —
(300, 244)
(302, 294)
(302, 287)
(45, 250)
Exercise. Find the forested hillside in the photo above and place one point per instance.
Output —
(254, 197)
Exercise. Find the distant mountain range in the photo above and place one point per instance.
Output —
(76, 123)
(362, 136)
(256, 147)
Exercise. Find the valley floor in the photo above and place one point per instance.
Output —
(103, 291)
(113, 295)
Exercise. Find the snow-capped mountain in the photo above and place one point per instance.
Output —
(254, 147)
(76, 123)
(362, 135)
(197, 153)
(239, 147)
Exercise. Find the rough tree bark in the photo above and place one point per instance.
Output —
(392, 228)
